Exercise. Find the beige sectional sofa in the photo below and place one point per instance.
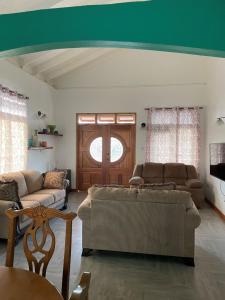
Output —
(184, 176)
(140, 221)
(32, 194)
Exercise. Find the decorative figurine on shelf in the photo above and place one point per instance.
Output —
(44, 144)
(35, 139)
(45, 130)
(30, 143)
(51, 128)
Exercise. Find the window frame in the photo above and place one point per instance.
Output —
(98, 116)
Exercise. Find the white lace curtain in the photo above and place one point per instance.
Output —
(173, 135)
(13, 131)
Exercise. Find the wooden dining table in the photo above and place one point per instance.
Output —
(18, 284)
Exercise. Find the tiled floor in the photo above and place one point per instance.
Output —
(117, 276)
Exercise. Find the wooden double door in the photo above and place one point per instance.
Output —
(105, 154)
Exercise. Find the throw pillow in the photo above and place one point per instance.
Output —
(54, 180)
(9, 192)
(159, 186)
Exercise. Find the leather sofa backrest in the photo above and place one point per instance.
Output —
(138, 169)
(191, 172)
(163, 173)
(175, 172)
(153, 172)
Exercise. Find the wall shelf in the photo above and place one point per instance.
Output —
(40, 148)
(52, 134)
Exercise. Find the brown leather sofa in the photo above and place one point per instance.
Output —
(184, 176)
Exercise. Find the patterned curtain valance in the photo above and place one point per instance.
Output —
(4, 89)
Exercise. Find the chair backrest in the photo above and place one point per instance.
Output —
(36, 238)
(81, 292)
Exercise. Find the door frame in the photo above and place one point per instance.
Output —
(77, 126)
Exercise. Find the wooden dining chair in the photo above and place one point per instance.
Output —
(81, 292)
(34, 245)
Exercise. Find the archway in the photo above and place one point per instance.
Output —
(195, 27)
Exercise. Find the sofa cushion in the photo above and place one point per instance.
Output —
(54, 180)
(28, 204)
(166, 197)
(153, 180)
(34, 180)
(152, 170)
(194, 183)
(182, 188)
(57, 194)
(191, 172)
(19, 178)
(9, 192)
(175, 172)
(110, 193)
(43, 199)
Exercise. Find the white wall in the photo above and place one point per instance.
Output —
(40, 99)
(215, 131)
(126, 81)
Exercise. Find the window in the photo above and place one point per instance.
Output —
(173, 135)
(116, 149)
(13, 131)
(125, 118)
(106, 118)
(96, 149)
(86, 118)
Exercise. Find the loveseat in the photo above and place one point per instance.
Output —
(32, 194)
(139, 221)
(184, 176)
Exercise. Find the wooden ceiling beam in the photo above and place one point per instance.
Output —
(34, 59)
(59, 60)
(74, 64)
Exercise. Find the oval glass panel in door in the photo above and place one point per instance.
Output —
(116, 149)
(96, 149)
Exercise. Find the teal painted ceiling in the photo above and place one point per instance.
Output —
(196, 27)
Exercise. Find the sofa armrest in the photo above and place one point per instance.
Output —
(66, 183)
(193, 217)
(136, 180)
(84, 210)
(4, 205)
(193, 183)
